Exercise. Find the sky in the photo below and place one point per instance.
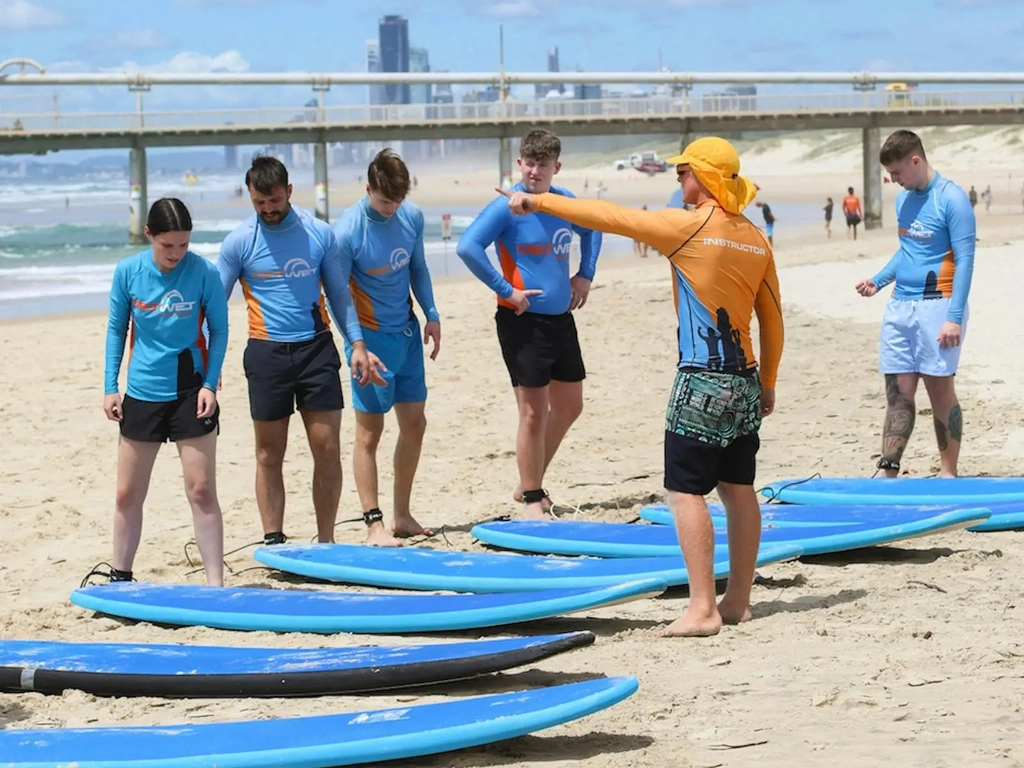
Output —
(462, 35)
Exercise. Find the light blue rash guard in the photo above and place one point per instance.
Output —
(168, 355)
(937, 233)
(285, 269)
(385, 258)
(533, 251)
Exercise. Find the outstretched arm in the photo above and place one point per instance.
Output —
(768, 306)
(962, 237)
(664, 230)
(481, 234)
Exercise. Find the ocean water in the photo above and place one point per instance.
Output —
(59, 243)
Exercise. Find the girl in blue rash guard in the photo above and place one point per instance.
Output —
(165, 295)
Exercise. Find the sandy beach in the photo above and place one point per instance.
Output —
(910, 654)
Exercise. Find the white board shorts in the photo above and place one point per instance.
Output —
(909, 340)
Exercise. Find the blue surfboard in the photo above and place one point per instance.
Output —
(480, 572)
(125, 669)
(818, 515)
(296, 610)
(630, 540)
(898, 490)
(322, 741)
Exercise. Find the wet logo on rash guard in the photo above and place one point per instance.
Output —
(171, 303)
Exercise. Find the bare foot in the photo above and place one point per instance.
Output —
(535, 511)
(517, 495)
(690, 625)
(731, 615)
(406, 526)
(377, 536)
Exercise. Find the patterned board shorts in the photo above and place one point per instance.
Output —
(714, 407)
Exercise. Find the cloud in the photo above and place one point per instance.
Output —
(191, 62)
(514, 9)
(243, 3)
(21, 15)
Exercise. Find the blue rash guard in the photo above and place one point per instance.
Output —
(168, 356)
(533, 251)
(285, 269)
(937, 233)
(385, 258)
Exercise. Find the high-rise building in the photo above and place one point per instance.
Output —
(419, 61)
(375, 93)
(393, 32)
(541, 90)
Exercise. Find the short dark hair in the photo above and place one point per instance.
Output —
(899, 146)
(388, 175)
(168, 214)
(265, 174)
(850, 190)
(540, 144)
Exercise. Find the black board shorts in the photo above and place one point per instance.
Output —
(160, 422)
(539, 348)
(285, 375)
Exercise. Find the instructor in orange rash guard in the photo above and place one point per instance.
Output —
(723, 272)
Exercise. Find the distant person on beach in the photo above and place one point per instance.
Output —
(854, 213)
(926, 317)
(380, 242)
(724, 272)
(769, 221)
(286, 260)
(165, 294)
(536, 299)
(639, 246)
(828, 217)
(973, 196)
(987, 197)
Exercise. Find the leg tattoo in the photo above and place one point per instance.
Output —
(956, 422)
(899, 421)
(954, 429)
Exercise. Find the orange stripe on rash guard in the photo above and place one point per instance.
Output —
(257, 324)
(364, 306)
(944, 283)
(324, 314)
(510, 271)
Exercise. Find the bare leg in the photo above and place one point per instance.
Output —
(412, 424)
(949, 421)
(369, 428)
(199, 467)
(565, 404)
(743, 514)
(534, 404)
(323, 430)
(271, 442)
(135, 461)
(697, 539)
(900, 413)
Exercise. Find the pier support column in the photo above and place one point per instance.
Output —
(323, 210)
(872, 180)
(137, 206)
(505, 163)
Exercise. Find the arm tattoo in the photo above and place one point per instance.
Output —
(899, 421)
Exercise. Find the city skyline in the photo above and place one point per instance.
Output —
(727, 35)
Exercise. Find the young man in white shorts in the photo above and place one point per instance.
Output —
(926, 319)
